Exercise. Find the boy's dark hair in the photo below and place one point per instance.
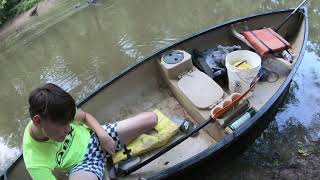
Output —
(52, 102)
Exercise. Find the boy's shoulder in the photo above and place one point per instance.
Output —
(37, 154)
(49, 153)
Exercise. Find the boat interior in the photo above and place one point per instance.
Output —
(181, 90)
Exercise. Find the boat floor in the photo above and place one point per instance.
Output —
(169, 106)
(265, 90)
(165, 101)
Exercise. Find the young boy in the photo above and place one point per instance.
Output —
(59, 137)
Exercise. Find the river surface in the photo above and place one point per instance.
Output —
(79, 47)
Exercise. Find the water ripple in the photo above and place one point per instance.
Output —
(8, 154)
(58, 73)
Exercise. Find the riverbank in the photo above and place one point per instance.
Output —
(19, 21)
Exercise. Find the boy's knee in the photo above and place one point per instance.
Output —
(154, 119)
(151, 119)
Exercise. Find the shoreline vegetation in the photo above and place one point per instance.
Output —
(14, 17)
(9, 9)
(15, 13)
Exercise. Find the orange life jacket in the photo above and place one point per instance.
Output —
(266, 41)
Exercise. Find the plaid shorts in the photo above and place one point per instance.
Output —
(95, 158)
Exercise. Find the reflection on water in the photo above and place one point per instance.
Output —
(304, 98)
(81, 48)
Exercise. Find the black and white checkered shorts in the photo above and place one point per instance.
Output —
(95, 158)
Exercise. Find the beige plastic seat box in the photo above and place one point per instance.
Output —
(198, 87)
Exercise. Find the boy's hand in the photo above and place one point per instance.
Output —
(107, 143)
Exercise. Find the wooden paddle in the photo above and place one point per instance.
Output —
(128, 170)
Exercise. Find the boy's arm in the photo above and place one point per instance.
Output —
(106, 141)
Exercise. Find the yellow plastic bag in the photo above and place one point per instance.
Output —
(166, 129)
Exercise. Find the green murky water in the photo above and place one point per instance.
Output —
(80, 48)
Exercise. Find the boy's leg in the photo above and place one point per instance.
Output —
(82, 175)
(127, 130)
(131, 128)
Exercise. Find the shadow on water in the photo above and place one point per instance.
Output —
(83, 49)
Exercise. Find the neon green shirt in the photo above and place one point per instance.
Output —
(41, 158)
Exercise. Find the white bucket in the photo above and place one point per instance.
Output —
(240, 79)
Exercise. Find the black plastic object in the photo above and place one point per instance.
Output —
(123, 166)
(173, 57)
(212, 61)
(216, 57)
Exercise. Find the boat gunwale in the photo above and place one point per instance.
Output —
(226, 140)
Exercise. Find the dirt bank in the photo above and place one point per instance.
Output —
(16, 23)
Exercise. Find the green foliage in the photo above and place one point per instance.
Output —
(11, 8)
(24, 6)
(2, 4)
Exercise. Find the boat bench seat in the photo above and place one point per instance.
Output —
(199, 88)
